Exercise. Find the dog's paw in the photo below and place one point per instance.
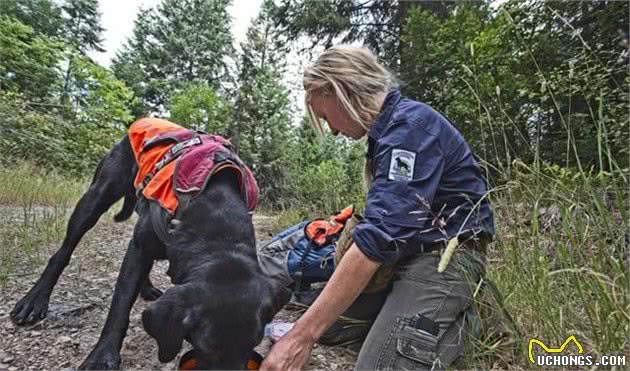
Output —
(101, 360)
(150, 293)
(30, 309)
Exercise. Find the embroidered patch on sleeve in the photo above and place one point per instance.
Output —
(401, 165)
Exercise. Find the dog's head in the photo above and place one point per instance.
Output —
(221, 317)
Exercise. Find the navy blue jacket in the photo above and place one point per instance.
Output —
(427, 185)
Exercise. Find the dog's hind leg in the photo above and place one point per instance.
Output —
(113, 180)
(148, 291)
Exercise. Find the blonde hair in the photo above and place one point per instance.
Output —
(355, 77)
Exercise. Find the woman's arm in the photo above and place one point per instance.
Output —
(292, 351)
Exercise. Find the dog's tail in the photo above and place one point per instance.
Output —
(128, 205)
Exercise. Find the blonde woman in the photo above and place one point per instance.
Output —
(425, 189)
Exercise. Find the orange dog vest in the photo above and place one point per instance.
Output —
(172, 160)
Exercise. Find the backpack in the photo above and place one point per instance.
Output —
(304, 253)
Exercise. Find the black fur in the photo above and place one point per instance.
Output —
(221, 299)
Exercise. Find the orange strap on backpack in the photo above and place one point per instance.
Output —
(323, 232)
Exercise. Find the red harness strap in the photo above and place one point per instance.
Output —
(173, 160)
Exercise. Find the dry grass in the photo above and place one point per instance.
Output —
(42, 200)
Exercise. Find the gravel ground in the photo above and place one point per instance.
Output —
(80, 301)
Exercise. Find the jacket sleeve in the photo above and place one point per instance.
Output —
(408, 165)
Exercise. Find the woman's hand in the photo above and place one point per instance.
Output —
(290, 353)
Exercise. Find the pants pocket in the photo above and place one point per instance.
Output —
(416, 349)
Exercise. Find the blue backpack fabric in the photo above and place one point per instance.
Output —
(292, 258)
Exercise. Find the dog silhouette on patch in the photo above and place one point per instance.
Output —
(402, 165)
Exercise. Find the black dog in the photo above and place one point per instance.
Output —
(221, 299)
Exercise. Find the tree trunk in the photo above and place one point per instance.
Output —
(65, 94)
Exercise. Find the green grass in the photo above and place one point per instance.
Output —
(562, 253)
(26, 185)
(287, 218)
(34, 209)
(560, 261)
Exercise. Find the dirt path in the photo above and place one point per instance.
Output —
(79, 305)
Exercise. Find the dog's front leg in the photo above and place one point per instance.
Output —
(113, 180)
(133, 272)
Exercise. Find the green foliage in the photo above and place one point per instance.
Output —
(326, 172)
(68, 122)
(82, 28)
(523, 82)
(100, 99)
(29, 62)
(181, 42)
(261, 117)
(43, 16)
(51, 140)
(263, 134)
(324, 176)
(266, 45)
(198, 107)
(378, 24)
(322, 184)
(538, 82)
(82, 33)
(28, 134)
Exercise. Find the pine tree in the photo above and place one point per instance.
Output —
(83, 29)
(261, 115)
(43, 16)
(83, 33)
(180, 42)
(378, 24)
(29, 62)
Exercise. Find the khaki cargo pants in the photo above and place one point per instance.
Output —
(427, 316)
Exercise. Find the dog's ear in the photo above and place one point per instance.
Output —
(282, 295)
(168, 321)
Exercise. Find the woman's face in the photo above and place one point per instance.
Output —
(330, 110)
